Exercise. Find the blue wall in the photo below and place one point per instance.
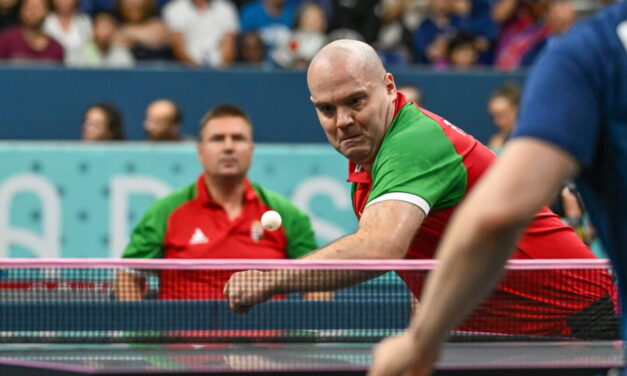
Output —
(48, 103)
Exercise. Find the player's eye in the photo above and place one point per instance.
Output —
(239, 137)
(326, 109)
(355, 101)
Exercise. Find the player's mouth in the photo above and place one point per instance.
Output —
(350, 138)
(228, 161)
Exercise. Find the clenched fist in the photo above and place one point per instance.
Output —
(245, 289)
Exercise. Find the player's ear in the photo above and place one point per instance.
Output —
(390, 86)
(311, 98)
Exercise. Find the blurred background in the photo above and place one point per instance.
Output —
(101, 99)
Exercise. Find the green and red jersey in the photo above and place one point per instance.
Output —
(189, 224)
(429, 162)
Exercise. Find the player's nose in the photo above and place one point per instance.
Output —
(344, 118)
(229, 143)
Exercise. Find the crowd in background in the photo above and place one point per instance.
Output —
(445, 34)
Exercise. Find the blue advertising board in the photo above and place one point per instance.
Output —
(73, 199)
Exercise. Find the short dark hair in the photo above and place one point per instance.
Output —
(460, 39)
(510, 90)
(115, 121)
(148, 9)
(223, 110)
(104, 12)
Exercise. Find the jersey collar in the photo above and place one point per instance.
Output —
(205, 197)
(356, 174)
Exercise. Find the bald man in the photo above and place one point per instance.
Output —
(163, 121)
(410, 169)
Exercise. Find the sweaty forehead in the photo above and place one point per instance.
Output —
(337, 77)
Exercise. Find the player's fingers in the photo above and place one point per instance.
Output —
(379, 371)
(380, 367)
(234, 304)
(245, 308)
(241, 308)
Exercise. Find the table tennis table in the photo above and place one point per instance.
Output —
(570, 358)
(68, 323)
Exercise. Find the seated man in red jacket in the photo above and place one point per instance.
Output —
(217, 217)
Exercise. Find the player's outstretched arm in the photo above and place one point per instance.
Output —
(385, 232)
(476, 245)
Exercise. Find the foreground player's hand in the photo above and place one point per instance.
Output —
(399, 356)
(245, 289)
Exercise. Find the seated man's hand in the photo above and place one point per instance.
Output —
(245, 289)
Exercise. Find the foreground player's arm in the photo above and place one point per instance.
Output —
(477, 244)
(385, 232)
(562, 104)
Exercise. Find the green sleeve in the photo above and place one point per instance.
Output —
(147, 238)
(416, 157)
(296, 224)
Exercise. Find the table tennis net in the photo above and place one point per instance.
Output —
(84, 301)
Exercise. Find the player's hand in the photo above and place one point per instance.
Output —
(399, 356)
(245, 289)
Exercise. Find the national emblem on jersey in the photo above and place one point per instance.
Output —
(256, 231)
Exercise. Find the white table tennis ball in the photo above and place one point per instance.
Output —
(271, 220)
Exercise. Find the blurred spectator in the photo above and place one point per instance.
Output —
(94, 6)
(141, 31)
(28, 42)
(306, 39)
(411, 92)
(244, 49)
(560, 18)
(363, 16)
(68, 26)
(523, 32)
(503, 107)
(163, 121)
(272, 19)
(463, 51)
(399, 19)
(102, 122)
(475, 19)
(199, 27)
(103, 51)
(9, 10)
(430, 40)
